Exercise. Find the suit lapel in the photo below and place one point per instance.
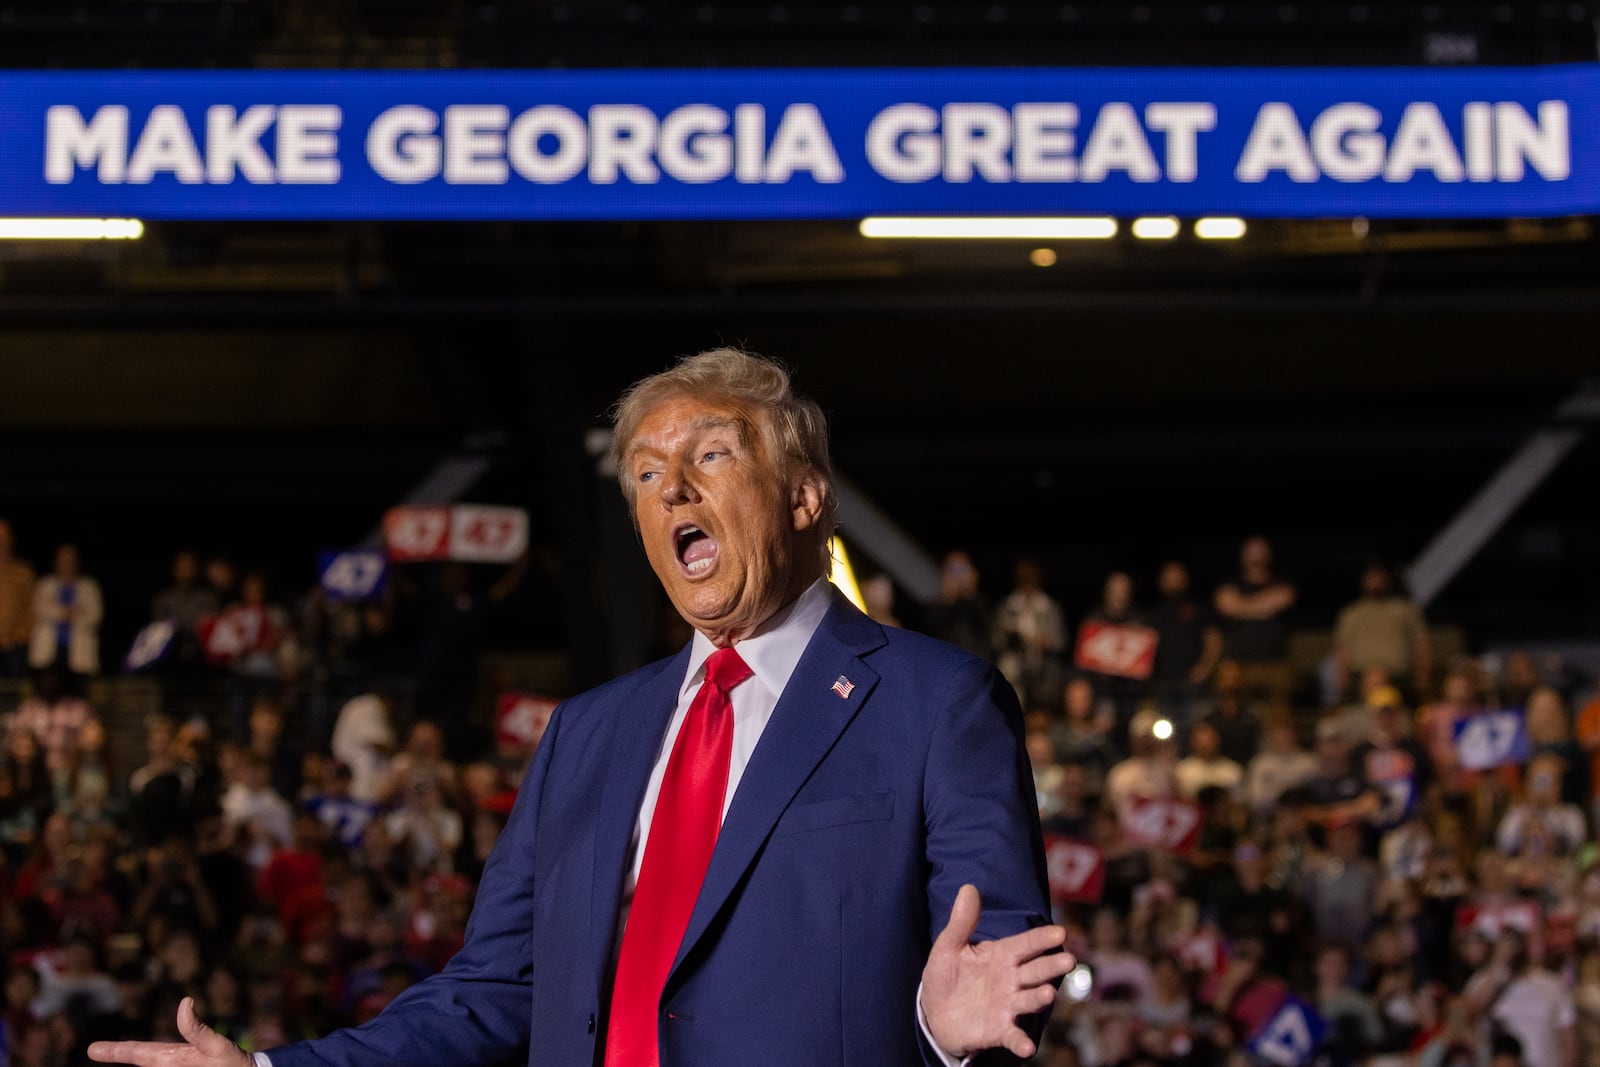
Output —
(809, 717)
(626, 760)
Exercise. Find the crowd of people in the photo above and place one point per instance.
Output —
(216, 627)
(298, 845)
(301, 837)
(1401, 848)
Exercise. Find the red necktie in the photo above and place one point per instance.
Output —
(678, 847)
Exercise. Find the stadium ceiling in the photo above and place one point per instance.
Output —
(690, 33)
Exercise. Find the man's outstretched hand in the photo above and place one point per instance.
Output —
(973, 992)
(201, 1047)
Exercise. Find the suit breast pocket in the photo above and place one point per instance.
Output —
(837, 811)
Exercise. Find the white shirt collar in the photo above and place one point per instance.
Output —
(774, 650)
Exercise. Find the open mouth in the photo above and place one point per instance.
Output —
(696, 549)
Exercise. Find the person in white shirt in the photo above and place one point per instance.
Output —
(252, 810)
(1528, 1002)
(67, 609)
(363, 740)
(428, 828)
(1541, 809)
(1205, 765)
(1030, 635)
(1280, 766)
(1149, 772)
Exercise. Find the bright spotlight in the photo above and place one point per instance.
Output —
(1079, 983)
(71, 229)
(994, 229)
(1219, 229)
(1155, 228)
(1162, 729)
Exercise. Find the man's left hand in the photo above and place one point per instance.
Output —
(973, 992)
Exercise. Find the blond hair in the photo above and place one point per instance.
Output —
(793, 427)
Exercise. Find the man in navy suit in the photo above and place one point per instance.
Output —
(838, 790)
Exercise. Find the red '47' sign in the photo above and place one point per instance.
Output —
(1115, 648)
(237, 632)
(470, 533)
(520, 720)
(1173, 825)
(1077, 870)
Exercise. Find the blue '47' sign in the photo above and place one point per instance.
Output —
(354, 576)
(150, 645)
(1492, 739)
(1291, 1036)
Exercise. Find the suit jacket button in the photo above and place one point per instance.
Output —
(591, 1022)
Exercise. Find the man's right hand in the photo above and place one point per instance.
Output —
(201, 1047)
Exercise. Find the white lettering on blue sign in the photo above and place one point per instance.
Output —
(547, 145)
(1492, 739)
(1290, 1037)
(305, 146)
(1034, 142)
(1345, 144)
(801, 144)
(354, 576)
(150, 644)
(481, 144)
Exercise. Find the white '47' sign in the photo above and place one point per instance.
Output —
(1077, 870)
(1173, 825)
(1492, 739)
(1290, 1036)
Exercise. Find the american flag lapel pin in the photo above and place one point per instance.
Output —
(844, 687)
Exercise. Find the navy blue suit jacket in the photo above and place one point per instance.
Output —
(856, 821)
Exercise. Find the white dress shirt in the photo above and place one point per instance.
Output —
(772, 653)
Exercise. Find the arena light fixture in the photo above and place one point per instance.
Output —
(1219, 229)
(1079, 983)
(1155, 228)
(71, 229)
(983, 228)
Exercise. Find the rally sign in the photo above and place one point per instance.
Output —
(1077, 870)
(480, 534)
(1173, 825)
(150, 645)
(467, 533)
(413, 534)
(1119, 649)
(1491, 920)
(238, 631)
(787, 143)
(1393, 775)
(1397, 798)
(520, 720)
(1492, 739)
(1291, 1036)
(355, 575)
(1204, 950)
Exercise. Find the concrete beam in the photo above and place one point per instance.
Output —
(1461, 539)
